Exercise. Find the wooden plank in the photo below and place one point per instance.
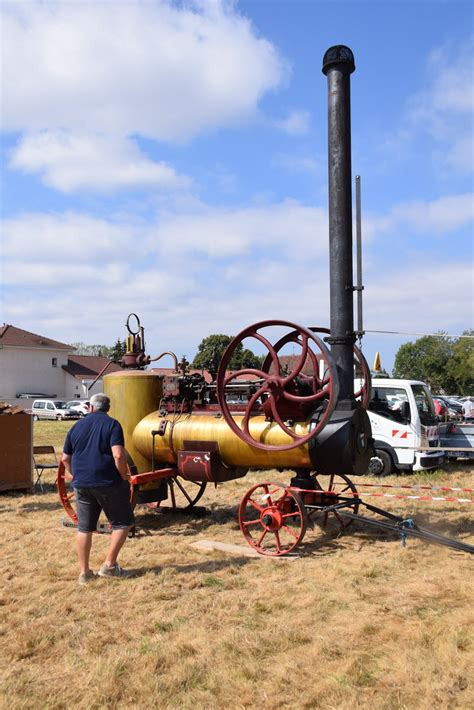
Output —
(241, 550)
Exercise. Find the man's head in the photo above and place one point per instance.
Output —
(99, 402)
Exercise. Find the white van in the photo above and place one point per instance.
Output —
(404, 425)
(52, 409)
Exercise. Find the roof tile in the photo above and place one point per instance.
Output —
(16, 337)
(89, 365)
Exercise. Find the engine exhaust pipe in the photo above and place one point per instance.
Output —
(338, 65)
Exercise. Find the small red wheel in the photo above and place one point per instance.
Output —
(272, 519)
(284, 397)
(360, 363)
(337, 486)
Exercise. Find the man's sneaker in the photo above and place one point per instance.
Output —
(87, 577)
(115, 571)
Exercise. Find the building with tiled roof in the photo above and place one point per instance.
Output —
(82, 370)
(18, 338)
(35, 365)
(83, 366)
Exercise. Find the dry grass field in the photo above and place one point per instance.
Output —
(355, 621)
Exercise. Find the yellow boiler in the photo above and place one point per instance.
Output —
(133, 394)
(174, 433)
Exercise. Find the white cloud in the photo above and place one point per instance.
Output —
(155, 69)
(443, 111)
(460, 157)
(276, 229)
(439, 217)
(295, 124)
(68, 238)
(74, 277)
(413, 299)
(452, 88)
(80, 276)
(70, 162)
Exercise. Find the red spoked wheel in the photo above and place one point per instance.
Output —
(361, 364)
(66, 494)
(272, 519)
(284, 397)
(338, 487)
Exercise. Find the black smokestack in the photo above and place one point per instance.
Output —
(338, 65)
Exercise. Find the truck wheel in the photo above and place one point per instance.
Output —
(381, 464)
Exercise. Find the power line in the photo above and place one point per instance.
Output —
(431, 335)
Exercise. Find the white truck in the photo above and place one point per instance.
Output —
(404, 425)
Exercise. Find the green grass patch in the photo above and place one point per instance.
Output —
(51, 432)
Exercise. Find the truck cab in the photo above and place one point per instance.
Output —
(404, 426)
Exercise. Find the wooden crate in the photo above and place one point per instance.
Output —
(16, 451)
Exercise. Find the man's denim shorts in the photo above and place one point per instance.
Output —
(113, 500)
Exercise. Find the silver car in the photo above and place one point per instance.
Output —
(52, 409)
(81, 406)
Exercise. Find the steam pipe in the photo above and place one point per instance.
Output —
(338, 65)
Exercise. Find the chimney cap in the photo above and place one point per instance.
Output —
(340, 56)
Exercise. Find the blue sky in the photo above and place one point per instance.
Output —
(170, 158)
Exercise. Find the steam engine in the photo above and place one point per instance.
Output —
(273, 417)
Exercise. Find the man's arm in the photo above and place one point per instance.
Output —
(66, 459)
(118, 452)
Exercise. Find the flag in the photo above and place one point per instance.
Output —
(377, 365)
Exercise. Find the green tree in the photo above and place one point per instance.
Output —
(118, 350)
(211, 349)
(445, 364)
(461, 364)
(84, 349)
(246, 358)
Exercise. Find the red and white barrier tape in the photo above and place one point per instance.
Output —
(415, 488)
(397, 496)
(403, 497)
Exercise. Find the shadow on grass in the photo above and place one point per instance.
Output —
(188, 523)
(40, 506)
(207, 566)
(453, 529)
(453, 522)
(317, 539)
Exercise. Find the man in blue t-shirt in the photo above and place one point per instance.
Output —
(94, 455)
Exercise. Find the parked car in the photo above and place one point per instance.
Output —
(52, 409)
(440, 408)
(453, 408)
(79, 405)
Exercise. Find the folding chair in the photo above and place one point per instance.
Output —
(41, 466)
